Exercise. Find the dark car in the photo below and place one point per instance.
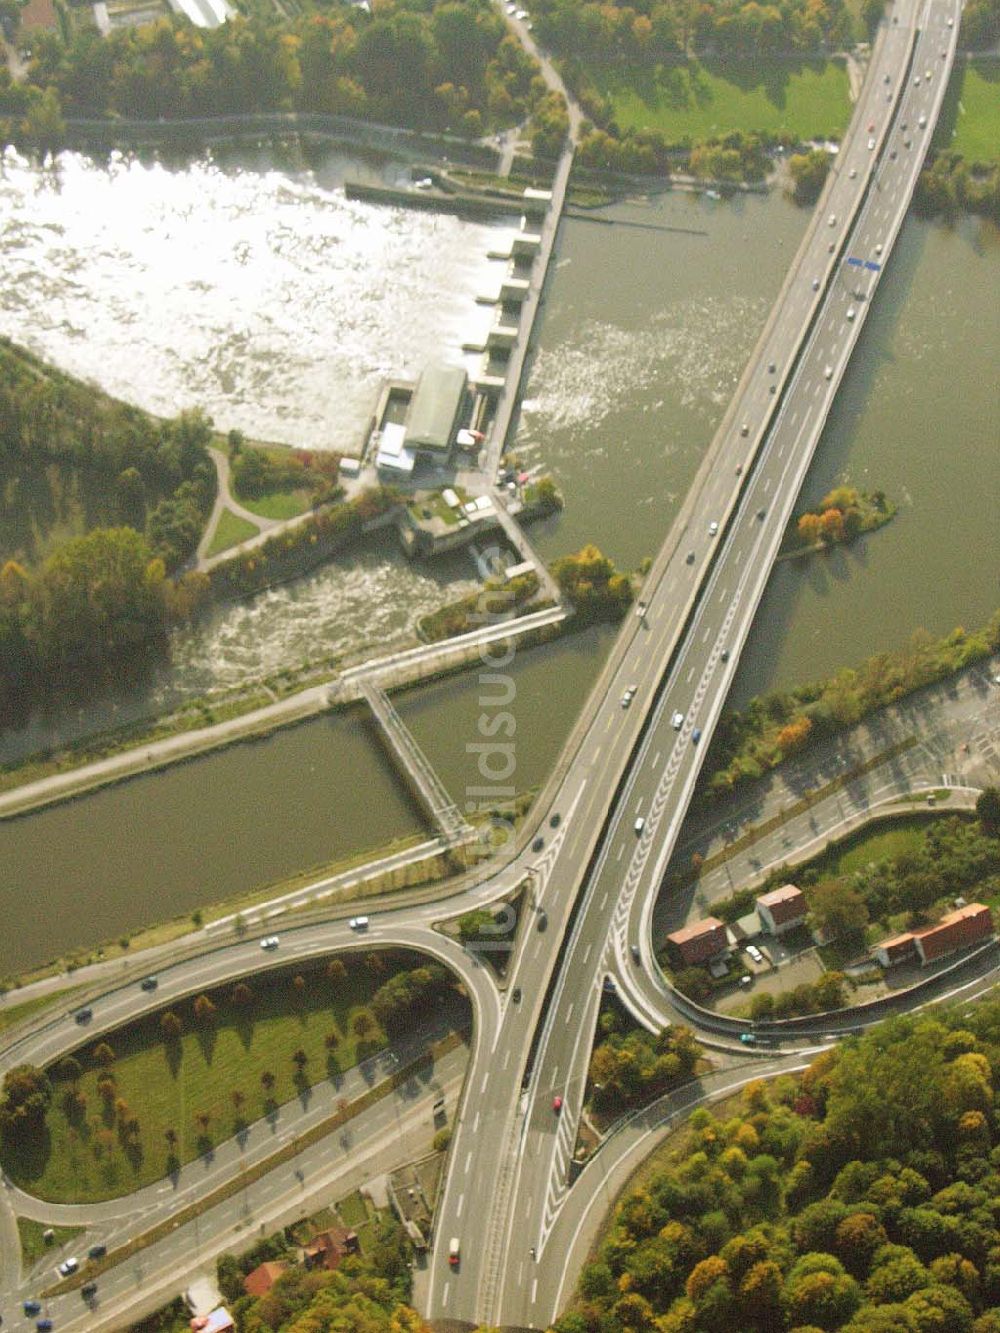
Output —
(88, 1290)
(149, 983)
(84, 1015)
(515, 995)
(97, 1252)
(543, 920)
(43, 1325)
(636, 955)
(555, 821)
(690, 557)
(538, 844)
(724, 655)
(32, 1306)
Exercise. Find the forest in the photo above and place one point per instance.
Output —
(859, 1195)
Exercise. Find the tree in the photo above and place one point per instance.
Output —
(69, 1068)
(808, 172)
(171, 1026)
(242, 995)
(267, 1081)
(362, 1024)
(103, 1055)
(27, 1095)
(837, 908)
(335, 970)
(332, 1040)
(474, 924)
(299, 986)
(204, 1010)
(300, 1059)
(988, 810)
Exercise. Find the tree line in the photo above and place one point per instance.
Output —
(771, 727)
(857, 1196)
(446, 65)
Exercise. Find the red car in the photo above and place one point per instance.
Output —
(557, 1103)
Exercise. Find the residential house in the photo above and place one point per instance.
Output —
(782, 909)
(697, 943)
(263, 1277)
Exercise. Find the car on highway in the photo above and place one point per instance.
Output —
(696, 736)
(745, 429)
(903, 125)
(771, 367)
(359, 923)
(31, 1306)
(951, 22)
(556, 819)
(84, 1015)
(927, 75)
(97, 1252)
(88, 1290)
(713, 528)
(878, 248)
(515, 995)
(887, 79)
(916, 82)
(640, 609)
(543, 921)
(828, 372)
(748, 1039)
(677, 721)
(832, 222)
(907, 143)
(871, 128)
(454, 1252)
(43, 1325)
(815, 284)
(639, 825)
(557, 1103)
(871, 143)
(852, 174)
(636, 955)
(724, 655)
(270, 942)
(850, 312)
(149, 983)
(922, 122)
(892, 156)
(538, 844)
(626, 699)
(761, 514)
(690, 557)
(69, 1266)
(755, 953)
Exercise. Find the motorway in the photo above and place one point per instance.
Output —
(594, 876)
(512, 1147)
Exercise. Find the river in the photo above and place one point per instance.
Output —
(643, 335)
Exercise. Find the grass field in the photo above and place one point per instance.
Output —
(279, 504)
(807, 99)
(970, 117)
(33, 1243)
(880, 844)
(167, 1085)
(230, 531)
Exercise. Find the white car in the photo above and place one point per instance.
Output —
(916, 82)
(951, 23)
(755, 953)
(639, 825)
(828, 373)
(922, 122)
(815, 284)
(358, 923)
(850, 312)
(713, 528)
(677, 721)
(269, 942)
(878, 248)
(853, 173)
(69, 1266)
(833, 220)
(871, 144)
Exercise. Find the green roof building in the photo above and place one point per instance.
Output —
(436, 408)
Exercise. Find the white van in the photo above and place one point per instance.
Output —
(639, 825)
(359, 923)
(453, 1252)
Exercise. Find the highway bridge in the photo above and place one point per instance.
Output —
(609, 817)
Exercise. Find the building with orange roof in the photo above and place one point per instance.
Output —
(697, 943)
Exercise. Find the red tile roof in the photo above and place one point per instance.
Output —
(263, 1277)
(785, 904)
(966, 925)
(701, 940)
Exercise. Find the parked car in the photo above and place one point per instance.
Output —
(755, 953)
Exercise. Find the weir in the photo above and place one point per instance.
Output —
(426, 785)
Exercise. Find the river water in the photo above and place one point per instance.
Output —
(643, 335)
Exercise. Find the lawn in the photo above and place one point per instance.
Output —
(12, 1012)
(970, 117)
(885, 842)
(33, 1243)
(166, 1085)
(807, 99)
(279, 504)
(230, 531)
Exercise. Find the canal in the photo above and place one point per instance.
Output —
(642, 338)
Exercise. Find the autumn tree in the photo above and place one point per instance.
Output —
(837, 908)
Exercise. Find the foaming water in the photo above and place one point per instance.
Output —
(262, 294)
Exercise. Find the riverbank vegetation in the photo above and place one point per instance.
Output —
(72, 458)
(772, 727)
(450, 65)
(843, 514)
(143, 1100)
(854, 1196)
(952, 185)
(808, 172)
(593, 585)
(495, 601)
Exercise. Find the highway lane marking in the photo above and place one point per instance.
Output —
(486, 1080)
(506, 1060)
(704, 638)
(687, 680)
(597, 753)
(656, 760)
(603, 901)
(461, 1201)
(468, 1161)
(587, 953)
(620, 850)
(444, 1294)
(534, 1290)
(475, 1123)
(569, 1012)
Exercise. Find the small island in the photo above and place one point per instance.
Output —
(842, 515)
